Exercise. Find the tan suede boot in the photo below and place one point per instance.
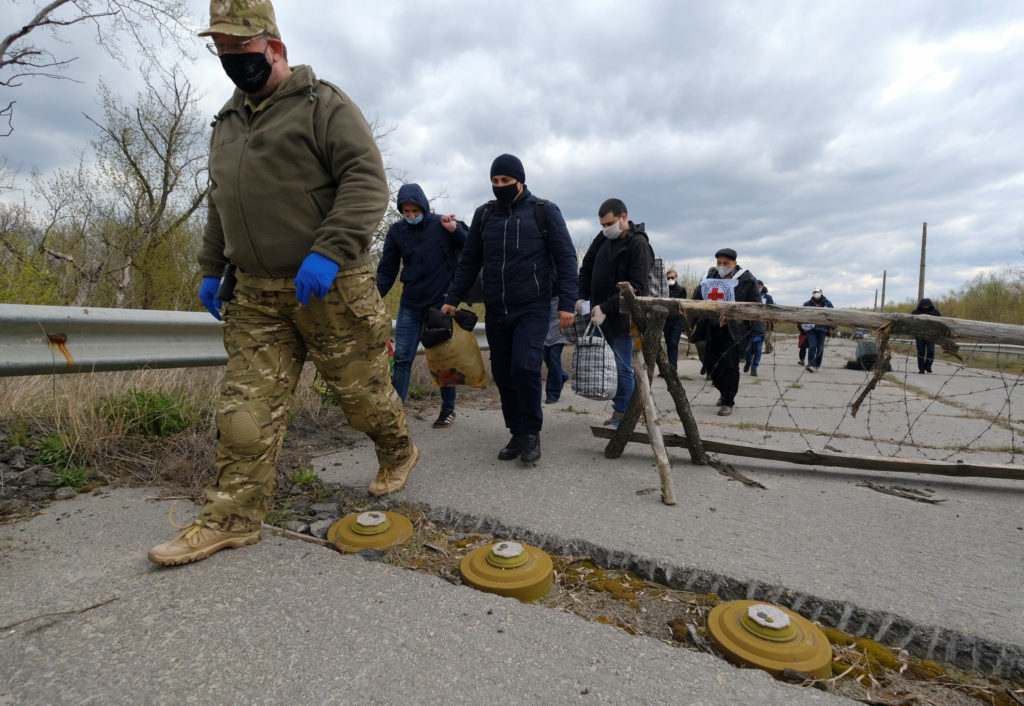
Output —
(391, 480)
(196, 542)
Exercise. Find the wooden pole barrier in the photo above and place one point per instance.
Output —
(934, 328)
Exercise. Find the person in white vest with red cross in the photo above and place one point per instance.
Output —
(726, 340)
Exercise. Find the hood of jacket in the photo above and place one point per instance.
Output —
(412, 193)
(300, 80)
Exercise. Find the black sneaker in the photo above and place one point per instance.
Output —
(746, 367)
(753, 372)
(445, 419)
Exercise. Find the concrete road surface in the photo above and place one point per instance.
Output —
(943, 580)
(88, 620)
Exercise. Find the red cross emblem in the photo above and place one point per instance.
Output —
(715, 294)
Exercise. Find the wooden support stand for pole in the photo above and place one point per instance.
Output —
(837, 460)
(643, 384)
(642, 401)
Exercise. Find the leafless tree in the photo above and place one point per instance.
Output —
(23, 55)
(105, 222)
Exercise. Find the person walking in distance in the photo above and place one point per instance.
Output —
(925, 348)
(758, 335)
(816, 335)
(673, 329)
(726, 340)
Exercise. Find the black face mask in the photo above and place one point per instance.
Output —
(248, 71)
(506, 194)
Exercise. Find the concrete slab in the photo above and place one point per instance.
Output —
(288, 622)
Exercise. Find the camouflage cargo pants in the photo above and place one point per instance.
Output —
(268, 335)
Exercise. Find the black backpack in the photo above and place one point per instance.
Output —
(476, 290)
(865, 357)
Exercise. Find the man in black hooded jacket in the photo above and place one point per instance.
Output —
(925, 349)
(621, 252)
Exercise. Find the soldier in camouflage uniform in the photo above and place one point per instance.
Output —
(297, 187)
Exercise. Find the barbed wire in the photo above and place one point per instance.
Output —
(916, 404)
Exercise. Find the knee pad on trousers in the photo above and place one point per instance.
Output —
(246, 430)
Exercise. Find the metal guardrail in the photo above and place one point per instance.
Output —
(45, 340)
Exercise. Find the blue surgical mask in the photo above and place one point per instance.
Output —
(413, 221)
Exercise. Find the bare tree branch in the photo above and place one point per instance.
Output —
(114, 20)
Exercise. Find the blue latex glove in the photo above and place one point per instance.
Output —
(208, 295)
(315, 277)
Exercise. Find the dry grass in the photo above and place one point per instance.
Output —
(72, 408)
(71, 411)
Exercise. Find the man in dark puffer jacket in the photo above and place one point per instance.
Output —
(519, 263)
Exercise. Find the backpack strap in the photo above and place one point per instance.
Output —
(542, 216)
(485, 213)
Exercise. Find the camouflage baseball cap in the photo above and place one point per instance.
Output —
(242, 18)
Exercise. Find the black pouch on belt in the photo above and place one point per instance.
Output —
(226, 290)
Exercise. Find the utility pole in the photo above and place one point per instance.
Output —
(920, 278)
(875, 307)
(883, 292)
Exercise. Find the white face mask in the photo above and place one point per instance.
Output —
(671, 282)
(724, 271)
(816, 296)
(613, 231)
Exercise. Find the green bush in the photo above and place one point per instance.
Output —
(149, 413)
(71, 476)
(55, 449)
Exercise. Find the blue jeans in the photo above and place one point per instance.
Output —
(623, 348)
(753, 354)
(673, 331)
(556, 376)
(815, 347)
(407, 338)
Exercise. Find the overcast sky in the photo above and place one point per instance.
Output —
(814, 138)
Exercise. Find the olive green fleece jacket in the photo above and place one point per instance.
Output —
(302, 174)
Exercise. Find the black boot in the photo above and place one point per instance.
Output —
(746, 367)
(512, 449)
(531, 448)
